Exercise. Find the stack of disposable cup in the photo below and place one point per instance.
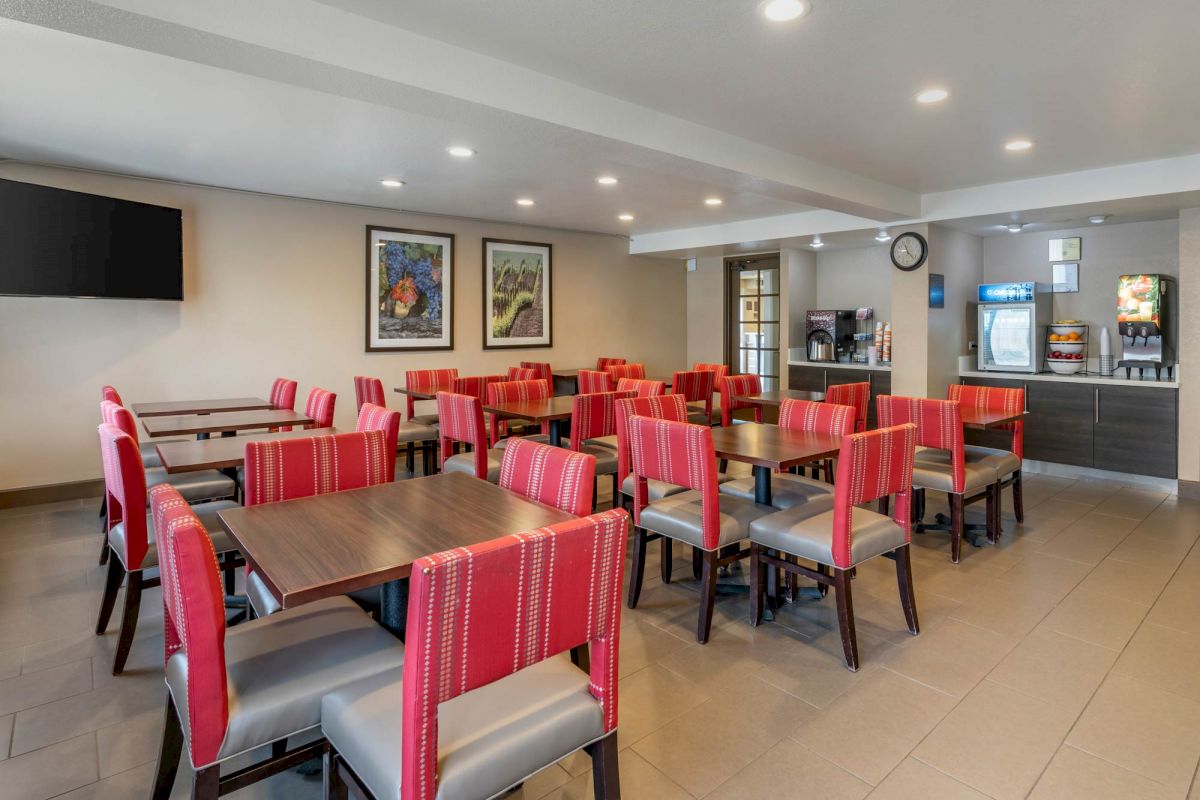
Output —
(886, 353)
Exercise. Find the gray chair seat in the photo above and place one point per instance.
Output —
(606, 458)
(465, 462)
(1005, 462)
(802, 533)
(278, 669)
(488, 739)
(416, 433)
(787, 490)
(540, 438)
(265, 604)
(678, 516)
(939, 478)
(657, 490)
(149, 453)
(604, 441)
(207, 512)
(204, 484)
(428, 420)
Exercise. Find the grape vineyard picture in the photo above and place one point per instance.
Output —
(517, 296)
(409, 284)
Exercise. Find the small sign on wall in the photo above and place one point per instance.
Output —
(1066, 249)
(937, 290)
(1065, 277)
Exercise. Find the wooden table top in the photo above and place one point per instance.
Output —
(566, 373)
(419, 395)
(324, 546)
(772, 446)
(221, 423)
(223, 452)
(980, 420)
(535, 410)
(777, 397)
(172, 408)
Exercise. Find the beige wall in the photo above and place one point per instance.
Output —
(861, 276)
(274, 287)
(957, 256)
(1189, 344)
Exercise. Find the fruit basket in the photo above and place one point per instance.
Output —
(1066, 347)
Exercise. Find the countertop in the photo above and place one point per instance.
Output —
(1118, 378)
(839, 365)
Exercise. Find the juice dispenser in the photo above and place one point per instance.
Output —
(1146, 320)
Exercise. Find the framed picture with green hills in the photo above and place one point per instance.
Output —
(516, 294)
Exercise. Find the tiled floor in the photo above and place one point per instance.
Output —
(1061, 663)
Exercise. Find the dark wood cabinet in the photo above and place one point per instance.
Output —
(806, 379)
(817, 378)
(1136, 430)
(1059, 425)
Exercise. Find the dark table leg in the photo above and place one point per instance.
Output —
(393, 610)
(555, 433)
(201, 436)
(762, 485)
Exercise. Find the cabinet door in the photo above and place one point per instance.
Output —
(806, 379)
(1058, 426)
(1136, 430)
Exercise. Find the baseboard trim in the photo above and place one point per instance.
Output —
(52, 493)
(1189, 490)
(1169, 485)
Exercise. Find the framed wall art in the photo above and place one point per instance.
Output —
(410, 290)
(516, 294)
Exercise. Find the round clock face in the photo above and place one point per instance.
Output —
(909, 251)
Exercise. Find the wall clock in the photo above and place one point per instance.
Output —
(909, 251)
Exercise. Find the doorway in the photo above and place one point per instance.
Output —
(752, 317)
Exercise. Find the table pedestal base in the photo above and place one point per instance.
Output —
(393, 608)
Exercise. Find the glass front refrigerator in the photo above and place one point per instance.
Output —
(1012, 326)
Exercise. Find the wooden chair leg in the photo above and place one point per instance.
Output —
(884, 504)
(697, 562)
(823, 588)
(606, 777)
(956, 526)
(757, 585)
(828, 466)
(230, 573)
(206, 783)
(616, 496)
(666, 565)
(169, 751)
(708, 595)
(1018, 497)
(410, 458)
(129, 618)
(112, 584)
(845, 609)
(332, 785)
(904, 581)
(723, 466)
(637, 567)
(595, 491)
(279, 748)
(993, 512)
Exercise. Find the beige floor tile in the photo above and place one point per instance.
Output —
(1050, 574)
(1179, 605)
(791, 767)
(50, 771)
(651, 698)
(997, 740)
(1055, 667)
(27, 691)
(1005, 608)
(1145, 550)
(952, 657)
(704, 747)
(134, 783)
(1127, 581)
(6, 727)
(1142, 728)
(916, 780)
(816, 672)
(129, 743)
(1164, 657)
(882, 615)
(1132, 503)
(10, 663)
(638, 779)
(740, 651)
(871, 729)
(1074, 775)
(1097, 617)
(675, 608)
(541, 784)
(1089, 539)
(1092, 492)
(643, 644)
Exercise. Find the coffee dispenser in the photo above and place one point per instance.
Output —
(1146, 307)
(829, 335)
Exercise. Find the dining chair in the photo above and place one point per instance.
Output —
(604, 363)
(618, 371)
(287, 469)
(131, 536)
(522, 374)
(590, 381)
(461, 422)
(669, 406)
(511, 392)
(939, 426)
(789, 490)
(487, 696)
(681, 454)
(233, 691)
(544, 372)
(430, 381)
(553, 476)
(732, 387)
(856, 395)
(110, 394)
(368, 390)
(642, 388)
(1007, 462)
(719, 371)
(319, 407)
(377, 418)
(696, 386)
(594, 416)
(148, 450)
(283, 395)
(871, 465)
(408, 434)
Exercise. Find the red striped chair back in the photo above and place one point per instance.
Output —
(804, 415)
(618, 371)
(594, 415)
(939, 425)
(543, 372)
(460, 419)
(550, 475)
(125, 490)
(695, 386)
(522, 374)
(994, 398)
(320, 407)
(368, 390)
(427, 380)
(720, 371)
(476, 385)
(120, 417)
(590, 381)
(667, 406)
(641, 388)
(283, 395)
(511, 392)
(735, 386)
(679, 454)
(284, 469)
(856, 395)
(604, 363)
(110, 394)
(871, 465)
(377, 418)
(491, 588)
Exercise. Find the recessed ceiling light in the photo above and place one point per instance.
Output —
(460, 152)
(713, 201)
(932, 96)
(391, 183)
(606, 180)
(625, 217)
(1018, 145)
(783, 10)
(524, 201)
(1098, 219)
(816, 242)
(1015, 227)
(883, 236)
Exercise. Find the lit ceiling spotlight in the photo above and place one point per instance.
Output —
(1015, 227)
(932, 96)
(607, 180)
(524, 201)
(783, 10)
(392, 183)
(1018, 145)
(883, 235)
(816, 242)
(460, 152)
(625, 217)
(713, 201)
(1098, 219)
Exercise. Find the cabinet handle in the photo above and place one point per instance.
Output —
(1026, 398)
(1096, 405)
(825, 380)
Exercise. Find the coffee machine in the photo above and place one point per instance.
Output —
(1146, 306)
(829, 335)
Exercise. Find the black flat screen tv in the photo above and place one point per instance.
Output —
(57, 243)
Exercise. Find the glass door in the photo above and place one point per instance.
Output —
(1007, 339)
(752, 317)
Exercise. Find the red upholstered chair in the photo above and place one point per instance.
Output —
(488, 696)
(544, 372)
(594, 416)
(283, 395)
(856, 395)
(509, 392)
(427, 380)
(368, 390)
(589, 381)
(719, 371)
(554, 476)
(1007, 462)
(871, 466)
(604, 363)
(320, 407)
(234, 691)
(670, 406)
(618, 371)
(641, 388)
(147, 449)
(377, 418)
(793, 490)
(939, 426)
(522, 374)
(110, 394)
(696, 386)
(130, 536)
(461, 422)
(734, 386)
(681, 454)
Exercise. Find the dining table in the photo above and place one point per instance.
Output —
(324, 546)
(981, 419)
(570, 377)
(776, 397)
(768, 448)
(225, 423)
(171, 408)
(551, 410)
(223, 453)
